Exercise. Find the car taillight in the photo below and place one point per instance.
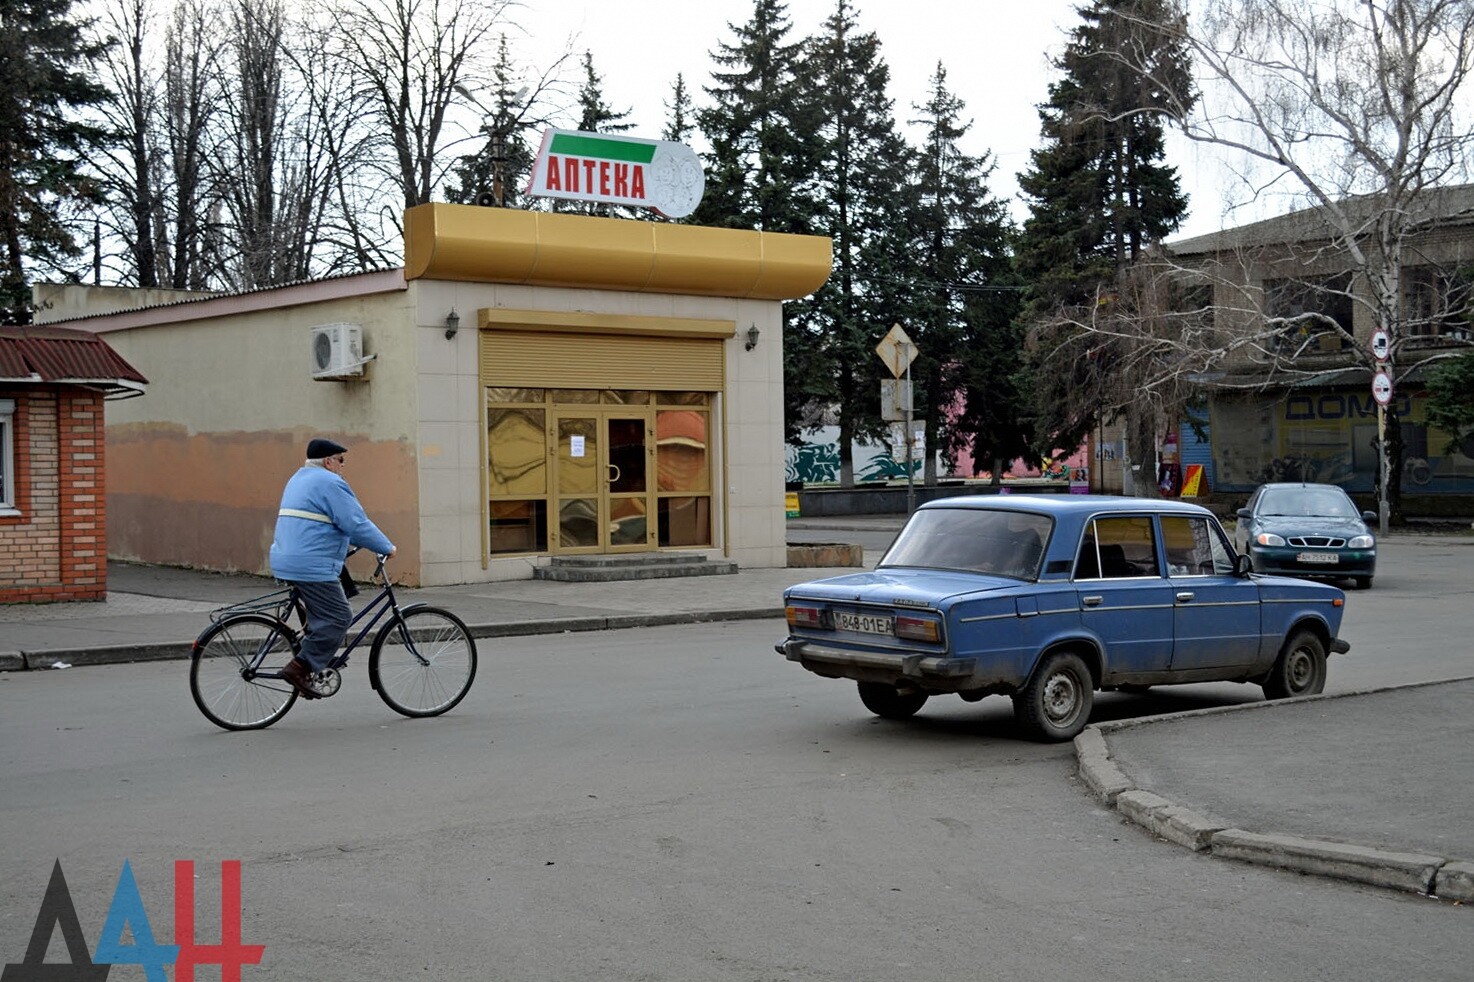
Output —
(919, 628)
(810, 617)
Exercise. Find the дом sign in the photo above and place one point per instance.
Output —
(618, 170)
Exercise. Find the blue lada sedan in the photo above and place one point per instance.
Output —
(1047, 598)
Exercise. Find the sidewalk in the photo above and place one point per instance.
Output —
(1367, 786)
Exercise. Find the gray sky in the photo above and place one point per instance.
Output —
(996, 53)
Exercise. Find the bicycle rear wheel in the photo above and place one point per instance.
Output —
(227, 668)
(423, 662)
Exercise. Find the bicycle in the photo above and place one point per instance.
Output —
(422, 662)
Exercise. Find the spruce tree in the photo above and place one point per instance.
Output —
(760, 126)
(1099, 194)
(862, 170)
(495, 175)
(966, 297)
(45, 59)
(681, 120)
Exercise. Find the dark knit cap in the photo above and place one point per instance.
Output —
(320, 448)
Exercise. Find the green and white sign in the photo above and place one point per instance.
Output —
(619, 170)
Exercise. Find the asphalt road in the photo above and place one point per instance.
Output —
(681, 804)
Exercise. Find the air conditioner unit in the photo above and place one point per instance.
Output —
(337, 351)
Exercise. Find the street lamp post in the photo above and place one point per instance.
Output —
(497, 134)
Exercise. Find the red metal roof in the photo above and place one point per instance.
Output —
(60, 354)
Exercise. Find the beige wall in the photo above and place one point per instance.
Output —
(748, 520)
(197, 465)
(63, 301)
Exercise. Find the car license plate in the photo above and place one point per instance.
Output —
(1317, 557)
(864, 623)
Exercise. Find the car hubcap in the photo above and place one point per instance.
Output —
(1301, 668)
(1061, 698)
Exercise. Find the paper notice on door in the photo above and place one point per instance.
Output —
(575, 446)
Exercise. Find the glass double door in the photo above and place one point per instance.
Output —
(605, 497)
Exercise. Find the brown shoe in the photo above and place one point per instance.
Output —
(297, 673)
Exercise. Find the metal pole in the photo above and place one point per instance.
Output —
(910, 467)
(1382, 507)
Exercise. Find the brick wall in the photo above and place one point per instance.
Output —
(56, 548)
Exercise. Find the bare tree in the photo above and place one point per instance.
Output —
(133, 161)
(192, 51)
(409, 56)
(1361, 107)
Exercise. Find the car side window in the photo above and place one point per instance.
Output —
(1116, 548)
(1195, 547)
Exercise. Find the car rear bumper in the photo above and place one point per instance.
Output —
(934, 673)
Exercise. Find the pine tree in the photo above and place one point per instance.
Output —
(682, 120)
(862, 178)
(45, 57)
(1099, 193)
(597, 116)
(760, 124)
(966, 300)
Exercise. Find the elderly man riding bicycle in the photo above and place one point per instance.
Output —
(318, 520)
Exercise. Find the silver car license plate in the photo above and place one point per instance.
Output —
(1317, 557)
(864, 623)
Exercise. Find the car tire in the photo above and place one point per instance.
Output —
(887, 702)
(1055, 703)
(1300, 669)
(1362, 582)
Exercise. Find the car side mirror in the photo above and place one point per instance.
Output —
(1243, 566)
(1370, 517)
(1244, 513)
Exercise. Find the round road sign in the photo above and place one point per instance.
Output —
(1381, 344)
(1382, 388)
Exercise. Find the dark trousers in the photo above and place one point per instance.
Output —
(328, 615)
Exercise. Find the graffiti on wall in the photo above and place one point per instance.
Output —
(816, 460)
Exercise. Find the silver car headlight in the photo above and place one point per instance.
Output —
(1269, 539)
(1362, 542)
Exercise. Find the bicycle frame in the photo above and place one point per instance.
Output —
(281, 604)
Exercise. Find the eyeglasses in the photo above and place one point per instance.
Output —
(341, 459)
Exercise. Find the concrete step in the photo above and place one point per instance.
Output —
(632, 566)
(606, 561)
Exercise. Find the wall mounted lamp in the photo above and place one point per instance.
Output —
(751, 337)
(452, 324)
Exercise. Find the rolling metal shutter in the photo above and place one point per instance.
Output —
(592, 361)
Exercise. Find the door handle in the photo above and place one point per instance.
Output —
(1184, 597)
(614, 478)
(1091, 601)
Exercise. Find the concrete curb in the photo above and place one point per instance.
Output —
(1446, 879)
(1408, 871)
(165, 651)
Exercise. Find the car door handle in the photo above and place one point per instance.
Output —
(1184, 597)
(1091, 601)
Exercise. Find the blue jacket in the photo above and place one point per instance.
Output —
(319, 517)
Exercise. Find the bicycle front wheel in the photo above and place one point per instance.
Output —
(423, 662)
(234, 672)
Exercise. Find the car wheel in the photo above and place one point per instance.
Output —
(1300, 670)
(1362, 582)
(1055, 704)
(889, 703)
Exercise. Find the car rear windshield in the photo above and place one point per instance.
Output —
(974, 540)
(1306, 502)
